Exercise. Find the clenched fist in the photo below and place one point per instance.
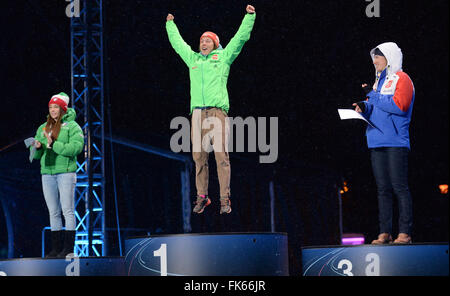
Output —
(250, 9)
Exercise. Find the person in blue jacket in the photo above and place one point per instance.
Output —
(388, 107)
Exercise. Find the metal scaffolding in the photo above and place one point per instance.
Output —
(88, 98)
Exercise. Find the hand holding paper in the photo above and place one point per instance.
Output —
(352, 114)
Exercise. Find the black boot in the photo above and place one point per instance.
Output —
(57, 243)
(69, 242)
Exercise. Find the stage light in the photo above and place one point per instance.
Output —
(344, 187)
(443, 188)
(352, 239)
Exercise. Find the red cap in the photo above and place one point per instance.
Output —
(213, 37)
(60, 99)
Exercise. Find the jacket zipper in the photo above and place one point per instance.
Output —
(203, 96)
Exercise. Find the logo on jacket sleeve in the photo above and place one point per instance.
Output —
(389, 84)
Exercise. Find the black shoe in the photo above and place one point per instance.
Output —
(69, 242)
(225, 205)
(57, 238)
(201, 203)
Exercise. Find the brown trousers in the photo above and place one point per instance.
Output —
(210, 131)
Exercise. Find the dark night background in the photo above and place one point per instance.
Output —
(304, 60)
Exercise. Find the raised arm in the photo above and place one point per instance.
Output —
(236, 43)
(177, 42)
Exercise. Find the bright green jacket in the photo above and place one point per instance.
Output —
(209, 74)
(62, 157)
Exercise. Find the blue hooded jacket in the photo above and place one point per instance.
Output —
(389, 105)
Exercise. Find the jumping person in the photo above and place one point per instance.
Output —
(58, 141)
(389, 106)
(208, 72)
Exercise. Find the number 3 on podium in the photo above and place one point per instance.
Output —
(372, 269)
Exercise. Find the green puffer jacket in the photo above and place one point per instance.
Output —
(62, 158)
(209, 74)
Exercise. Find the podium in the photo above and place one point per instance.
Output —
(208, 254)
(427, 259)
(71, 266)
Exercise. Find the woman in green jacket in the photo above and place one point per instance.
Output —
(208, 71)
(58, 141)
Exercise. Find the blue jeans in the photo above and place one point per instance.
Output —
(390, 168)
(59, 194)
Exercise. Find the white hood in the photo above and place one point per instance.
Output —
(393, 55)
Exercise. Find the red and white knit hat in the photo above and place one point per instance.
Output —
(213, 36)
(61, 99)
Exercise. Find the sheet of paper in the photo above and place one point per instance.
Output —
(352, 114)
(30, 142)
